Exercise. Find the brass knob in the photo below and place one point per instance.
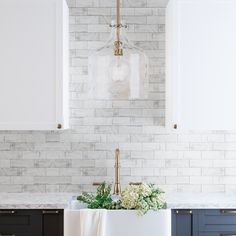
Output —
(175, 126)
(59, 126)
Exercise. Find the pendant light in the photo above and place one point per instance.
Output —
(119, 69)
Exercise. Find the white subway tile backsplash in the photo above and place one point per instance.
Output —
(23, 180)
(201, 180)
(5, 163)
(195, 188)
(177, 180)
(70, 161)
(201, 163)
(143, 11)
(189, 171)
(156, 3)
(142, 171)
(101, 11)
(177, 163)
(224, 163)
(220, 188)
(52, 180)
(87, 3)
(5, 146)
(135, 3)
(22, 163)
(214, 155)
(213, 171)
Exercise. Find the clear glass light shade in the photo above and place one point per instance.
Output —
(118, 77)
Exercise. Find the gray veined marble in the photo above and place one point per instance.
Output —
(174, 200)
(201, 200)
(34, 200)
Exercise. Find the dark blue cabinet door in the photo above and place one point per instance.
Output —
(182, 223)
(204, 222)
(20, 222)
(52, 222)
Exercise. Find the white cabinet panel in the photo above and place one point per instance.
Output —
(33, 64)
(201, 64)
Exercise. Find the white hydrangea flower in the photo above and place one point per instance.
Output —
(142, 197)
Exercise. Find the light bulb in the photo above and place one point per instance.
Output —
(119, 73)
(119, 69)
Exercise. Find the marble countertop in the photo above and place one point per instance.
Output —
(201, 200)
(34, 200)
(60, 200)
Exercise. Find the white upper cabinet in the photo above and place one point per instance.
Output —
(201, 64)
(33, 64)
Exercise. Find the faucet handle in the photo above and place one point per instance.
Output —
(135, 183)
(97, 183)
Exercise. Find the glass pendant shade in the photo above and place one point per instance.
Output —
(118, 70)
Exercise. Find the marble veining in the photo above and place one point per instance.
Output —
(174, 200)
(34, 200)
(201, 200)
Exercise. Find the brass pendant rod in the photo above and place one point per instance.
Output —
(118, 23)
(118, 44)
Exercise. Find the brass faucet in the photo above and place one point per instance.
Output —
(117, 187)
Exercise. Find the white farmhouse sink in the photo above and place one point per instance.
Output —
(125, 223)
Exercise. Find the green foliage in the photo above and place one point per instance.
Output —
(102, 200)
(142, 198)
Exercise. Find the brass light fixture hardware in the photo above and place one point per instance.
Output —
(118, 69)
(118, 51)
(59, 126)
(117, 187)
(175, 126)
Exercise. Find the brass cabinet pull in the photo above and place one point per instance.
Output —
(50, 212)
(59, 126)
(227, 234)
(184, 212)
(7, 234)
(6, 212)
(228, 211)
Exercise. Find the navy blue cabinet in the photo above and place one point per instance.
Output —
(182, 223)
(20, 223)
(217, 222)
(31, 222)
(52, 223)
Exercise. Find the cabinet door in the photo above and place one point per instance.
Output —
(52, 222)
(33, 64)
(20, 223)
(201, 71)
(182, 223)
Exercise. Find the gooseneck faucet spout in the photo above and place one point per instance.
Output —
(117, 187)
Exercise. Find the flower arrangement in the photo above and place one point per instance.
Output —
(143, 197)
